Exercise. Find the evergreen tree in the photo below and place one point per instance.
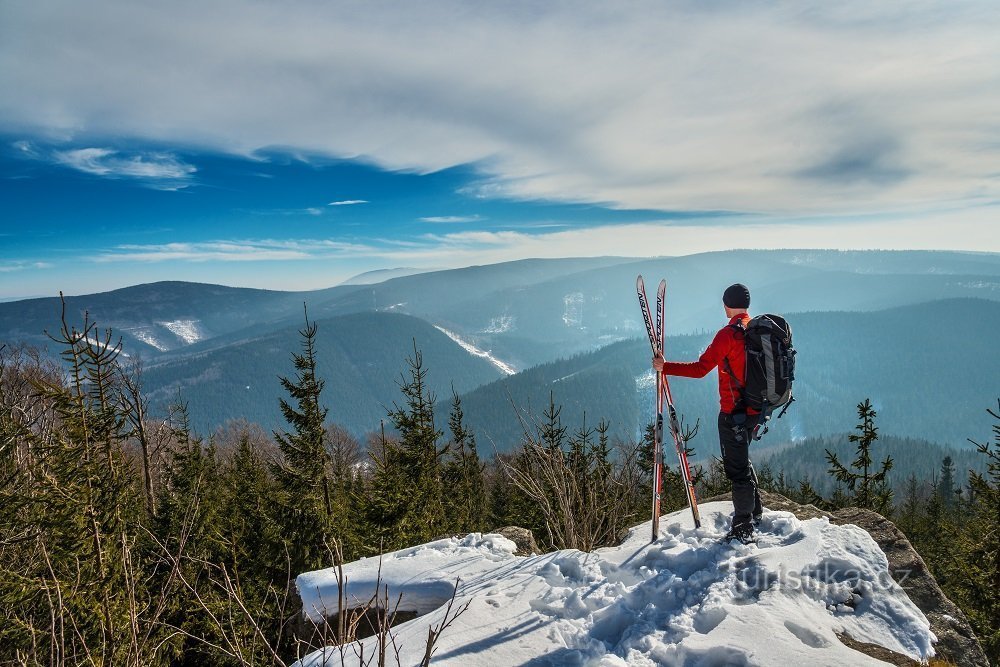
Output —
(189, 512)
(946, 485)
(304, 505)
(83, 505)
(871, 489)
(911, 512)
(387, 498)
(344, 456)
(423, 517)
(465, 485)
(980, 548)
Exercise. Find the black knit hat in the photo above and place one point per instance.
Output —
(736, 296)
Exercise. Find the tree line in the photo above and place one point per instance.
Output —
(126, 538)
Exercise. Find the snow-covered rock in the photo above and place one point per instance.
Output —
(687, 599)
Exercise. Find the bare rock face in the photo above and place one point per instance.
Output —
(956, 641)
(523, 538)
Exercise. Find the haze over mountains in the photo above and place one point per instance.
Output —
(915, 331)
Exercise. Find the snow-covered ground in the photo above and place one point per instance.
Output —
(501, 324)
(688, 599)
(186, 330)
(472, 349)
(146, 335)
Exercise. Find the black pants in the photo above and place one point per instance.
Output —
(734, 439)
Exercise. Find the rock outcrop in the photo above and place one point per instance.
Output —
(956, 641)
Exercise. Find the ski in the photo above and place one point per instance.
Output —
(663, 395)
(682, 457)
(655, 343)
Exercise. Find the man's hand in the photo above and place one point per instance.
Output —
(658, 363)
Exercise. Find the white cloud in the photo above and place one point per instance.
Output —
(347, 202)
(267, 250)
(795, 107)
(12, 266)
(452, 218)
(161, 168)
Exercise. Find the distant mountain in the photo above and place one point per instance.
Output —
(526, 312)
(155, 317)
(361, 357)
(381, 275)
(913, 330)
(930, 370)
(536, 311)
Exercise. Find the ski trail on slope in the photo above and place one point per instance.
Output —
(505, 368)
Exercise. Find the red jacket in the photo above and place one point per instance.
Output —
(727, 344)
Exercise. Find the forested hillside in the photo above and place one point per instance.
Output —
(926, 368)
(912, 458)
(361, 356)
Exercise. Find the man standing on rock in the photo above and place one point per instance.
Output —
(736, 421)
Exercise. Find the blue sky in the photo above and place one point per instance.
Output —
(293, 145)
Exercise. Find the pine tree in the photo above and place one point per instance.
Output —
(189, 506)
(911, 512)
(465, 486)
(304, 505)
(420, 459)
(344, 455)
(946, 485)
(871, 489)
(387, 498)
(980, 548)
(83, 506)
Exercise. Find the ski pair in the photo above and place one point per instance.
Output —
(663, 397)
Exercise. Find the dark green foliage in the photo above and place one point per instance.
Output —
(870, 489)
(417, 449)
(360, 356)
(71, 508)
(304, 506)
(978, 547)
(464, 481)
(946, 486)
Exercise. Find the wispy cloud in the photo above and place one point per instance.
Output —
(452, 218)
(11, 267)
(348, 202)
(666, 106)
(161, 170)
(267, 250)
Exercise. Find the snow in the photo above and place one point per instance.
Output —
(146, 336)
(688, 599)
(500, 325)
(573, 309)
(100, 344)
(505, 368)
(186, 330)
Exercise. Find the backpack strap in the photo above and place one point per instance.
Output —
(736, 326)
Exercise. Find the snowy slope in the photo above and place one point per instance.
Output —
(686, 600)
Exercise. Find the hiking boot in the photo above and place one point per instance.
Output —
(742, 532)
(756, 519)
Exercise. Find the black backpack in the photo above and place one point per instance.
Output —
(770, 367)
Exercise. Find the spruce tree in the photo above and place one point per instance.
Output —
(419, 457)
(465, 486)
(387, 498)
(304, 505)
(83, 506)
(980, 547)
(946, 485)
(870, 489)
